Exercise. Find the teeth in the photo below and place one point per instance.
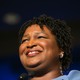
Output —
(32, 52)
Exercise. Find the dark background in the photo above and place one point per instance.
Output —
(13, 13)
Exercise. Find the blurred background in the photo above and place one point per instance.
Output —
(13, 13)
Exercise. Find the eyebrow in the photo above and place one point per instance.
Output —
(35, 33)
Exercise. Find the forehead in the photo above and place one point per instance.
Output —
(36, 28)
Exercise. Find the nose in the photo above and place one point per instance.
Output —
(31, 44)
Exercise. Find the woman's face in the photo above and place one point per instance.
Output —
(39, 49)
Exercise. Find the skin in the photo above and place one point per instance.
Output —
(45, 64)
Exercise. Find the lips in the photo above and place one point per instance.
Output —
(32, 53)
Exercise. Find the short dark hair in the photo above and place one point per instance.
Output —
(59, 29)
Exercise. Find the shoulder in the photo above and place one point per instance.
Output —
(73, 75)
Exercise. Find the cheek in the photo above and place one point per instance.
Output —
(22, 48)
(47, 45)
(44, 43)
(21, 55)
(50, 48)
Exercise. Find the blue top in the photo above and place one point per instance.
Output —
(73, 75)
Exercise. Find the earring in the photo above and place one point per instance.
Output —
(61, 54)
(61, 71)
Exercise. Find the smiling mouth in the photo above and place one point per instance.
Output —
(33, 53)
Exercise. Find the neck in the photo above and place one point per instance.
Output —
(47, 76)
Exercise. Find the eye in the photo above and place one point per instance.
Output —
(25, 40)
(39, 37)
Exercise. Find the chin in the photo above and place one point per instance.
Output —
(36, 68)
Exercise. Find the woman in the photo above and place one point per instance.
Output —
(44, 50)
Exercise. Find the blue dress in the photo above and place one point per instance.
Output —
(73, 75)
